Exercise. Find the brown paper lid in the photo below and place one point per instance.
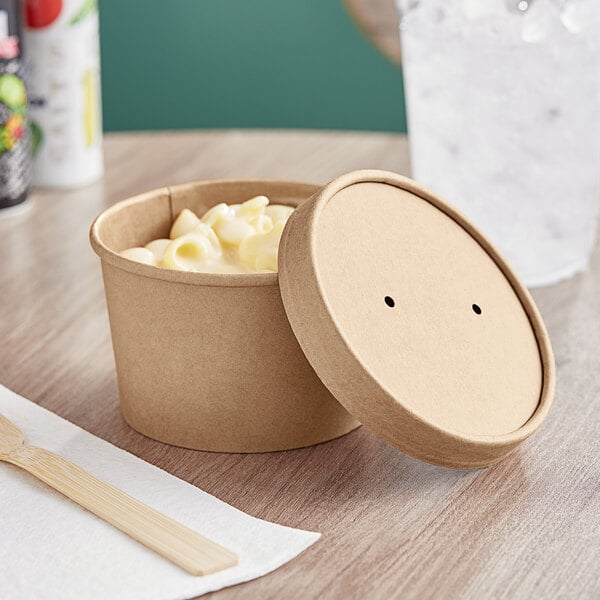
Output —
(414, 322)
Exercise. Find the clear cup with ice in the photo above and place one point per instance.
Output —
(503, 102)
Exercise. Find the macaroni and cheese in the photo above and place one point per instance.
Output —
(236, 238)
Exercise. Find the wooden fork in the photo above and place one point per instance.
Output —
(172, 540)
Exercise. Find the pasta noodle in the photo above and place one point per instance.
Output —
(228, 238)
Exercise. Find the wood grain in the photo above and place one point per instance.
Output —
(379, 21)
(529, 527)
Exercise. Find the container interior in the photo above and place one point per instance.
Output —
(149, 216)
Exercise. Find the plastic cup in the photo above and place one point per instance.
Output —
(503, 106)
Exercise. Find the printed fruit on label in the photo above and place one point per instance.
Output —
(41, 13)
(12, 91)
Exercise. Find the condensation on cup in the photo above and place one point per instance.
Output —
(503, 101)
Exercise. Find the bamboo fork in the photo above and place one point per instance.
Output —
(172, 540)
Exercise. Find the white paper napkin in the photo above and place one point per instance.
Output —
(52, 549)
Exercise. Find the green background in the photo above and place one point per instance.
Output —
(243, 63)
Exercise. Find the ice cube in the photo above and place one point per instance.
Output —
(541, 20)
(406, 6)
(579, 16)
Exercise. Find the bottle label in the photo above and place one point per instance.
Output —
(15, 156)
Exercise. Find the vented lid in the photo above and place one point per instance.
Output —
(414, 322)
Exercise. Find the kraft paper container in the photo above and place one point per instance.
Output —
(208, 361)
(403, 308)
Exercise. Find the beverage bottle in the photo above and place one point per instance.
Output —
(15, 153)
(63, 55)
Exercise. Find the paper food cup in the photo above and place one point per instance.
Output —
(208, 361)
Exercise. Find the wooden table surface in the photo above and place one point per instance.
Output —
(392, 527)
